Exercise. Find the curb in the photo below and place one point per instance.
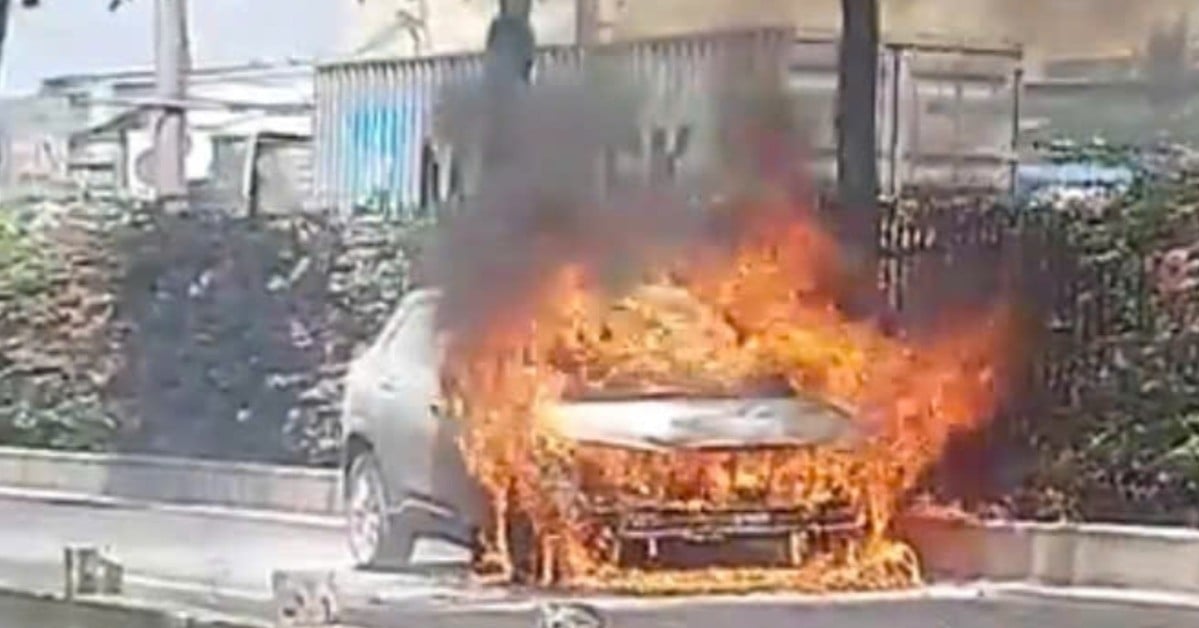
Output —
(1155, 563)
(66, 498)
(1127, 597)
(155, 479)
(1078, 556)
(174, 602)
(191, 618)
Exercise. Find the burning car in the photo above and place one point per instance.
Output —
(600, 433)
(405, 476)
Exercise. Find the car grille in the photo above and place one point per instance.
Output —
(712, 525)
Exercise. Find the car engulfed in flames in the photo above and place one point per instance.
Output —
(624, 435)
(743, 441)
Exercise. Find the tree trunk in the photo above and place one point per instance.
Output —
(4, 4)
(857, 161)
(586, 18)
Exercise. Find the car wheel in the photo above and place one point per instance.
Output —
(375, 539)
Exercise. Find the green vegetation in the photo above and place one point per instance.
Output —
(1124, 442)
(47, 399)
(195, 336)
(81, 306)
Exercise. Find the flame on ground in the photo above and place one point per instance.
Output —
(764, 308)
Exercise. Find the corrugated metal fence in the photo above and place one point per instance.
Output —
(374, 128)
(955, 114)
(947, 114)
(372, 122)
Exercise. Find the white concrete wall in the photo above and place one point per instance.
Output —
(172, 480)
(1064, 554)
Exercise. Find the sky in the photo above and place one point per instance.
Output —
(79, 36)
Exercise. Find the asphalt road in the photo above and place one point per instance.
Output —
(216, 560)
(199, 558)
(185, 548)
(19, 612)
(988, 613)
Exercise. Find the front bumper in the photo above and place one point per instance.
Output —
(714, 526)
(723, 496)
(647, 527)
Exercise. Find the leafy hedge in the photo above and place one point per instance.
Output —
(1119, 441)
(50, 393)
(201, 335)
(1123, 441)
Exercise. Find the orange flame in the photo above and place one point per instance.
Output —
(765, 308)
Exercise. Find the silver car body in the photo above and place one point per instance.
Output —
(391, 408)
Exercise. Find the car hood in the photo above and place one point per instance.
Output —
(691, 423)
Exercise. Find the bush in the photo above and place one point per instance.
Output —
(1125, 442)
(50, 395)
(203, 335)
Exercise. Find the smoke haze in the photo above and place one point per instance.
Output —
(1046, 27)
(537, 205)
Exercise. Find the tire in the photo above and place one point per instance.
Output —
(377, 540)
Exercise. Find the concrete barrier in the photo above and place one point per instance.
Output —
(173, 480)
(1076, 555)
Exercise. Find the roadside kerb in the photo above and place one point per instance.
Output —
(1058, 554)
(173, 480)
(1072, 555)
(201, 607)
(128, 608)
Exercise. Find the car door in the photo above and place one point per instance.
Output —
(403, 414)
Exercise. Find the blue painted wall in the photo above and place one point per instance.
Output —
(380, 148)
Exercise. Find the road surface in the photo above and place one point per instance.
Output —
(20, 612)
(996, 613)
(200, 557)
(226, 563)
(181, 547)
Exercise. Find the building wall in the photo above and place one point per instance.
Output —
(230, 101)
(33, 141)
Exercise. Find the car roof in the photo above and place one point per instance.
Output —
(417, 295)
(413, 299)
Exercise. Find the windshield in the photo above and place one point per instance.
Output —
(660, 341)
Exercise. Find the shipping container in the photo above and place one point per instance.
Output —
(947, 114)
(956, 116)
(375, 145)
